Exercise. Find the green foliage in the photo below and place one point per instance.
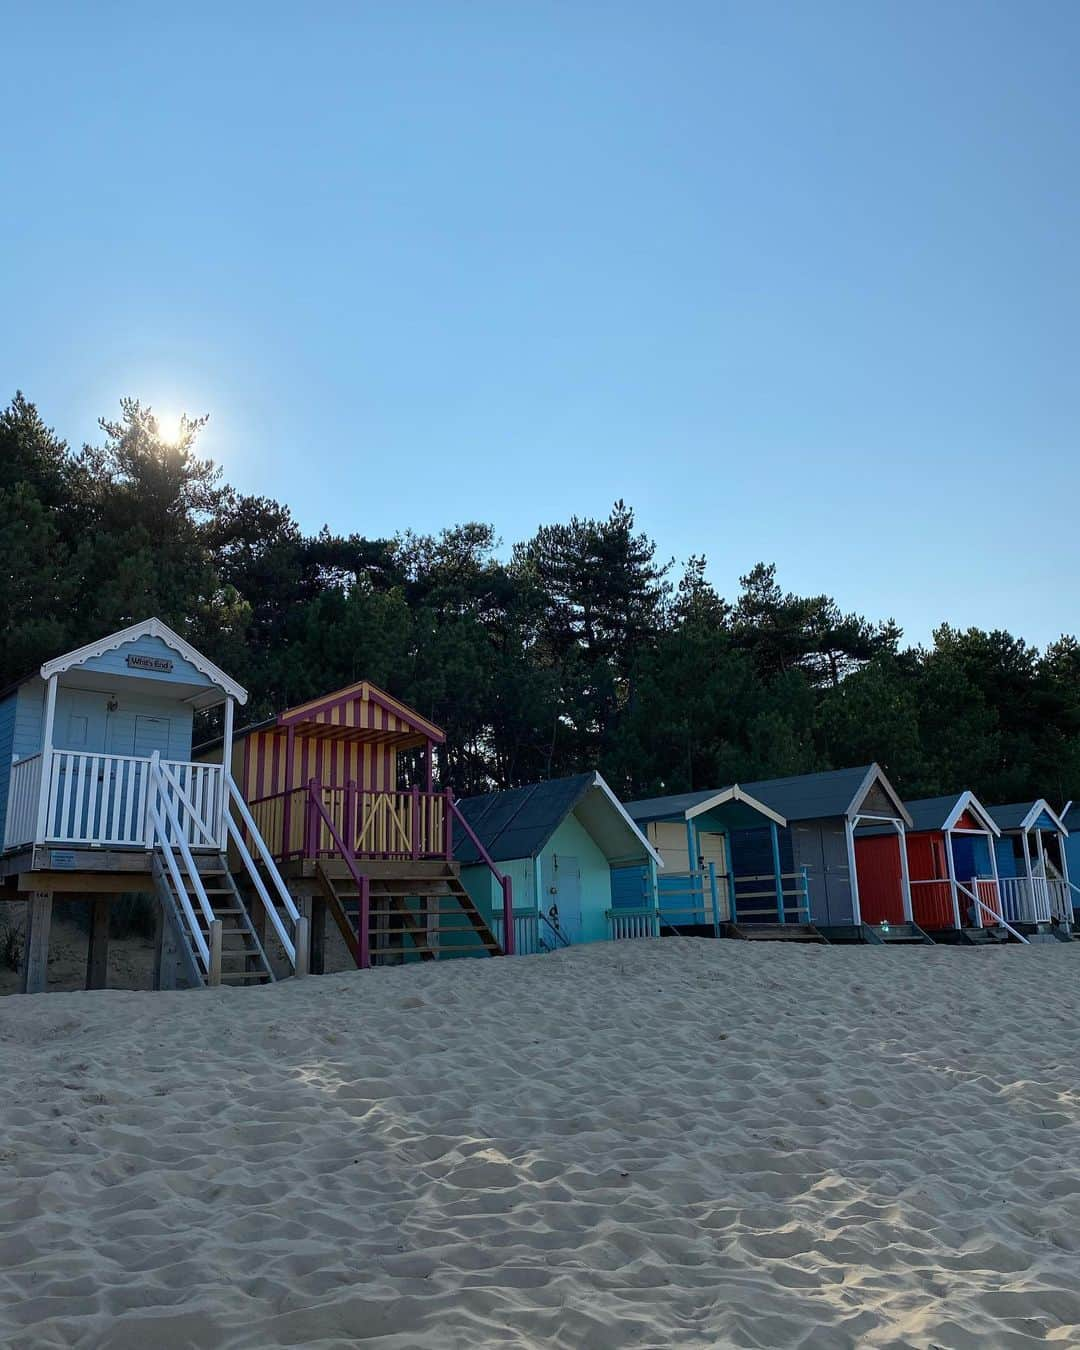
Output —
(573, 650)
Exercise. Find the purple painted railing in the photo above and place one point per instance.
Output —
(504, 881)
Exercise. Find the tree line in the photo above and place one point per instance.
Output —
(581, 648)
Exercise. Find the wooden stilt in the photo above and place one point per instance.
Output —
(97, 956)
(315, 909)
(166, 954)
(35, 961)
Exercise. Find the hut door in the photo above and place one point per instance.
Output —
(565, 897)
(837, 874)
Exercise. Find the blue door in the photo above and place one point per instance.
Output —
(564, 898)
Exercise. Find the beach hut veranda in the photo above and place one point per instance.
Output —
(1069, 815)
(950, 883)
(1032, 864)
(778, 851)
(563, 842)
(101, 795)
(342, 789)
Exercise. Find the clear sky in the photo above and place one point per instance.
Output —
(798, 281)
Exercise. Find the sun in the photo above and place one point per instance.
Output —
(169, 428)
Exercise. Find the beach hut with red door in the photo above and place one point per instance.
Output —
(949, 845)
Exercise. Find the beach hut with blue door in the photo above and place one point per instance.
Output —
(100, 795)
(1032, 866)
(949, 847)
(695, 833)
(786, 847)
(566, 844)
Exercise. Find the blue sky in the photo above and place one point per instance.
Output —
(798, 281)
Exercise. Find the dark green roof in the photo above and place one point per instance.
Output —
(518, 823)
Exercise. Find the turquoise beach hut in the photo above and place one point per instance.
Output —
(566, 844)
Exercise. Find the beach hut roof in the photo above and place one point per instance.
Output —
(808, 796)
(1023, 815)
(942, 813)
(200, 698)
(518, 822)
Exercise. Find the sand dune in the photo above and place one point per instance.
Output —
(672, 1143)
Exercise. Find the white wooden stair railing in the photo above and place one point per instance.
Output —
(296, 946)
(169, 839)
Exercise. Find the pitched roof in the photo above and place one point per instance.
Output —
(940, 813)
(1022, 815)
(808, 796)
(519, 822)
(148, 628)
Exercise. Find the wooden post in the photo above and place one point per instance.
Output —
(317, 932)
(226, 771)
(414, 802)
(364, 920)
(45, 789)
(653, 896)
(166, 952)
(213, 977)
(428, 768)
(951, 864)
(286, 812)
(257, 914)
(303, 945)
(97, 956)
(774, 836)
(350, 826)
(715, 897)
(448, 825)
(729, 863)
(853, 871)
(905, 875)
(35, 960)
(508, 916)
(1027, 867)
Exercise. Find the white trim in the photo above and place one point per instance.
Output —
(736, 794)
(877, 773)
(853, 872)
(1036, 811)
(627, 818)
(967, 801)
(148, 628)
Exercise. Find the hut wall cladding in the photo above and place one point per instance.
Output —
(259, 762)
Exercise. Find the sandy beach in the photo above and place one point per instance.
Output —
(654, 1143)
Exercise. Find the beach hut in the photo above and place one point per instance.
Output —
(949, 844)
(341, 787)
(100, 795)
(697, 835)
(1032, 868)
(566, 844)
(786, 847)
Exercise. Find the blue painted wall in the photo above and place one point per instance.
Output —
(1006, 858)
(971, 854)
(115, 663)
(7, 741)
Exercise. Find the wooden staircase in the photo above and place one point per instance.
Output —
(243, 959)
(415, 910)
(775, 932)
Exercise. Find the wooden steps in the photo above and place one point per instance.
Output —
(775, 932)
(896, 934)
(410, 913)
(243, 960)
